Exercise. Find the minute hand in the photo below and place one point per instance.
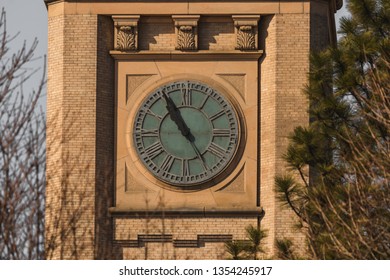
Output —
(198, 154)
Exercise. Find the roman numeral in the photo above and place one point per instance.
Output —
(185, 170)
(149, 132)
(217, 115)
(221, 132)
(204, 102)
(154, 150)
(167, 163)
(217, 150)
(186, 97)
(153, 114)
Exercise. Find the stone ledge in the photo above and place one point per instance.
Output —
(179, 243)
(205, 213)
(195, 55)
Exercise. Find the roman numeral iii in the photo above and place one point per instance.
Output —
(217, 150)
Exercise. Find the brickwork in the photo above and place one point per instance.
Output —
(71, 136)
(267, 126)
(292, 64)
(54, 124)
(157, 35)
(105, 144)
(215, 35)
(283, 107)
(166, 251)
(181, 229)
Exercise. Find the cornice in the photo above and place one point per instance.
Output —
(195, 55)
(339, 3)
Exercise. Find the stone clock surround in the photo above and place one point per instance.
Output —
(82, 87)
(134, 180)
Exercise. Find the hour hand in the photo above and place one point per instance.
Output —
(176, 116)
(171, 107)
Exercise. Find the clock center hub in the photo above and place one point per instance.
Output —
(180, 146)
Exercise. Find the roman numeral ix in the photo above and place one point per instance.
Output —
(149, 132)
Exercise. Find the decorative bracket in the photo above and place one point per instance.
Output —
(126, 33)
(186, 30)
(246, 31)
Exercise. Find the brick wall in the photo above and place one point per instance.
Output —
(216, 34)
(267, 125)
(54, 134)
(166, 251)
(156, 33)
(180, 229)
(71, 136)
(105, 133)
(283, 107)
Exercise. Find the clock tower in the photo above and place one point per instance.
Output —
(167, 123)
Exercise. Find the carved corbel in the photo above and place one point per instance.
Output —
(186, 30)
(246, 31)
(126, 33)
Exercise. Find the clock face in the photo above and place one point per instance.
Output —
(185, 133)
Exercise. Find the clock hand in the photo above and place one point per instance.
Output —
(198, 154)
(176, 116)
(181, 125)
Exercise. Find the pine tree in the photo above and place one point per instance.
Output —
(344, 205)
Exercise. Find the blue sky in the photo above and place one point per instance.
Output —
(29, 18)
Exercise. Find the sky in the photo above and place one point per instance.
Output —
(28, 19)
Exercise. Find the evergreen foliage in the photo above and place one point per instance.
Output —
(247, 249)
(285, 250)
(344, 205)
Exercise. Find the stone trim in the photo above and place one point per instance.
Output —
(126, 33)
(178, 243)
(257, 212)
(179, 55)
(186, 31)
(246, 31)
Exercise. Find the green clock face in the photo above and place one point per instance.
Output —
(185, 133)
